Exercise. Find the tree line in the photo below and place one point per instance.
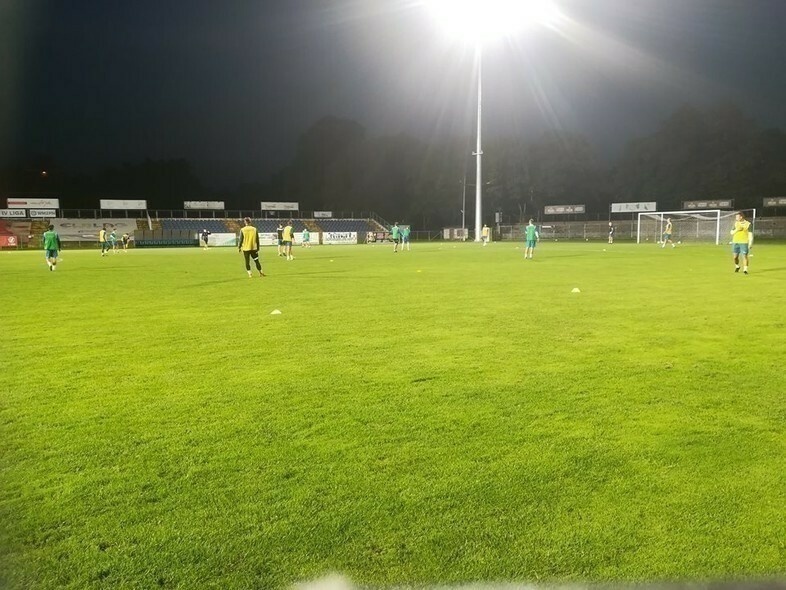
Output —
(715, 152)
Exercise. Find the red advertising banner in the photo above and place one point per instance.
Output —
(8, 241)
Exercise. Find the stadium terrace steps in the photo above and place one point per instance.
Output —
(37, 229)
(361, 226)
(195, 225)
(233, 225)
(141, 224)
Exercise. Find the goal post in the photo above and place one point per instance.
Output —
(699, 226)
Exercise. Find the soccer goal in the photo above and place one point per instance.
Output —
(704, 226)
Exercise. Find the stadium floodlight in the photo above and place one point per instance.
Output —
(483, 20)
(479, 21)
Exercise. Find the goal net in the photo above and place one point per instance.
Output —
(709, 226)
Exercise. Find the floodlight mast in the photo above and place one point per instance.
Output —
(479, 150)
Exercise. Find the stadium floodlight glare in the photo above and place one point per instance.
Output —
(480, 21)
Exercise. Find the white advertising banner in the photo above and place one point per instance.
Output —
(563, 209)
(123, 204)
(634, 207)
(313, 237)
(775, 202)
(222, 239)
(341, 237)
(279, 206)
(213, 205)
(42, 213)
(268, 239)
(79, 230)
(709, 204)
(13, 213)
(325, 214)
(24, 203)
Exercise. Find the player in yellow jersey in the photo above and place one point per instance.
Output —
(248, 244)
(484, 234)
(667, 234)
(103, 240)
(741, 241)
(287, 236)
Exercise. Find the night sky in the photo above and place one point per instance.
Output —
(231, 85)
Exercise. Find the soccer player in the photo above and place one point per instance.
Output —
(741, 241)
(248, 244)
(667, 234)
(287, 237)
(124, 238)
(611, 233)
(113, 240)
(280, 234)
(306, 239)
(102, 241)
(205, 236)
(405, 238)
(395, 233)
(532, 236)
(484, 234)
(51, 246)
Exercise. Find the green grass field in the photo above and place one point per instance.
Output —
(446, 415)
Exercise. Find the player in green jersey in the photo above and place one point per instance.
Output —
(405, 231)
(395, 234)
(532, 237)
(51, 246)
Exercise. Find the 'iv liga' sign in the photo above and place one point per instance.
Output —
(563, 209)
(775, 202)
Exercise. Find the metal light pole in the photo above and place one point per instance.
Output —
(478, 150)
(464, 208)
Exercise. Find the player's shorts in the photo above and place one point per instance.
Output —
(405, 239)
(287, 242)
(484, 238)
(51, 253)
(740, 249)
(280, 242)
(396, 240)
(531, 243)
(306, 240)
(666, 237)
(250, 255)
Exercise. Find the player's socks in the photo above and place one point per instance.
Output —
(745, 269)
(737, 268)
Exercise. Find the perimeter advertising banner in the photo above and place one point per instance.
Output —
(212, 205)
(775, 202)
(279, 206)
(45, 213)
(709, 204)
(6, 241)
(563, 209)
(13, 213)
(123, 204)
(634, 207)
(342, 237)
(221, 239)
(24, 203)
(268, 239)
(326, 214)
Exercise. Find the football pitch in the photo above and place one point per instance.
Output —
(441, 416)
